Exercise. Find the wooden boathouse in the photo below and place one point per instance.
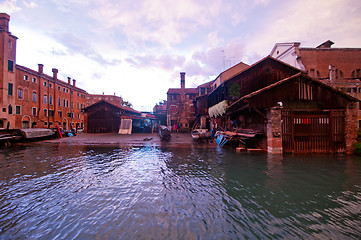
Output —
(105, 117)
(289, 111)
(300, 115)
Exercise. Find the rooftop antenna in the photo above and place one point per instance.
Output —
(231, 60)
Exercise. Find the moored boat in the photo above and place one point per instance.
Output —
(198, 134)
(164, 132)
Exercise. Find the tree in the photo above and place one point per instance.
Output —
(127, 104)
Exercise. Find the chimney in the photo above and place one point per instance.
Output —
(40, 68)
(332, 70)
(4, 22)
(182, 75)
(74, 81)
(69, 80)
(55, 73)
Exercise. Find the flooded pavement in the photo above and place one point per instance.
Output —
(67, 191)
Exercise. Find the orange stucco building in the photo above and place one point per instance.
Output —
(31, 99)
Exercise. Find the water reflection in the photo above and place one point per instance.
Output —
(86, 192)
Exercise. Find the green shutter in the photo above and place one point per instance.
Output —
(10, 89)
(10, 65)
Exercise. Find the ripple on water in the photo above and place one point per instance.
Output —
(68, 192)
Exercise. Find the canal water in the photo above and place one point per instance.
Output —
(54, 191)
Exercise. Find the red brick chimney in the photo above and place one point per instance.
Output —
(74, 81)
(55, 73)
(69, 80)
(332, 73)
(4, 22)
(182, 75)
(40, 68)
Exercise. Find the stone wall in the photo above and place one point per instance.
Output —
(274, 130)
(350, 127)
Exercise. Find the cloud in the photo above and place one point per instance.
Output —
(165, 23)
(30, 4)
(9, 6)
(311, 23)
(216, 59)
(75, 45)
(163, 62)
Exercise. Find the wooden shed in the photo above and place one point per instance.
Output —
(299, 114)
(105, 117)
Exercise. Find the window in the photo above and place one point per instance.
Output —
(45, 112)
(71, 104)
(50, 85)
(34, 80)
(70, 114)
(51, 113)
(26, 77)
(45, 99)
(77, 105)
(64, 103)
(60, 114)
(44, 83)
(10, 109)
(34, 111)
(17, 110)
(51, 100)
(305, 91)
(78, 94)
(35, 97)
(10, 89)
(46, 123)
(20, 93)
(67, 103)
(10, 65)
(59, 88)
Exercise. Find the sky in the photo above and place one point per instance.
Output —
(137, 48)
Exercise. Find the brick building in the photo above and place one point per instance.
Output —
(31, 99)
(180, 108)
(93, 98)
(45, 101)
(337, 67)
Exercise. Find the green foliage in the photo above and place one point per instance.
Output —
(235, 90)
(357, 146)
(359, 135)
(127, 104)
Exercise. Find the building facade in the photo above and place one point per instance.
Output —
(93, 98)
(180, 107)
(337, 67)
(32, 99)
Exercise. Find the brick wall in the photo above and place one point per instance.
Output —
(274, 130)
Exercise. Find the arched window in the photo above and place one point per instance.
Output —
(10, 109)
(356, 73)
(35, 97)
(20, 93)
(45, 99)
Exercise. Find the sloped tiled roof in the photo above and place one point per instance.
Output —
(178, 91)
